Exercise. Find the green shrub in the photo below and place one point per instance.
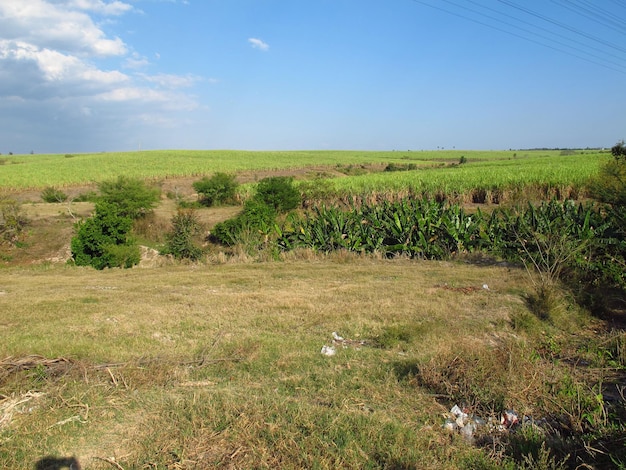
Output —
(316, 190)
(609, 187)
(253, 224)
(123, 256)
(89, 196)
(180, 241)
(619, 151)
(221, 188)
(132, 196)
(401, 167)
(278, 192)
(12, 221)
(610, 184)
(51, 194)
(103, 241)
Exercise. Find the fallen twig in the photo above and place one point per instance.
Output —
(110, 461)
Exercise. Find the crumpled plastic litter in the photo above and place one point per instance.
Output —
(338, 340)
(509, 419)
(460, 420)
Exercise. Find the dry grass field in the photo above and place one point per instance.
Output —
(219, 364)
(196, 366)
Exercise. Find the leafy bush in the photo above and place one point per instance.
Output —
(103, 241)
(89, 196)
(221, 188)
(609, 187)
(123, 256)
(401, 167)
(51, 194)
(12, 220)
(314, 191)
(619, 151)
(253, 224)
(132, 196)
(279, 193)
(610, 184)
(180, 241)
(417, 228)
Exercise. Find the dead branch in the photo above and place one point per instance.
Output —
(110, 461)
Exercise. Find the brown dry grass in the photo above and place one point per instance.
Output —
(140, 392)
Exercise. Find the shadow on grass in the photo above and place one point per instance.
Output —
(56, 463)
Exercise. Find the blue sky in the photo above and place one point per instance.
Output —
(108, 75)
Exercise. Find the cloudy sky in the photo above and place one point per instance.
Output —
(107, 75)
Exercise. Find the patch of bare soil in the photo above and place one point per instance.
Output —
(45, 240)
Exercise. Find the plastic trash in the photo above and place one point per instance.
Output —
(336, 337)
(450, 425)
(328, 350)
(458, 412)
(485, 286)
(509, 419)
(468, 431)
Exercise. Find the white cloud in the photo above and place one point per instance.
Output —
(159, 99)
(34, 73)
(136, 61)
(55, 89)
(259, 44)
(165, 80)
(56, 26)
(114, 8)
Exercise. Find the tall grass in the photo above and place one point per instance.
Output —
(482, 181)
(39, 171)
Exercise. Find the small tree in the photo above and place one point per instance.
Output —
(12, 220)
(619, 150)
(103, 241)
(132, 196)
(51, 194)
(180, 241)
(279, 193)
(221, 188)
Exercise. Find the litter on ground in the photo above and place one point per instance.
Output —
(468, 425)
(338, 340)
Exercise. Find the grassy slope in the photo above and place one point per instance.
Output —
(265, 396)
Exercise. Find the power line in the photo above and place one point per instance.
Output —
(561, 25)
(617, 67)
(546, 30)
(591, 15)
(602, 15)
